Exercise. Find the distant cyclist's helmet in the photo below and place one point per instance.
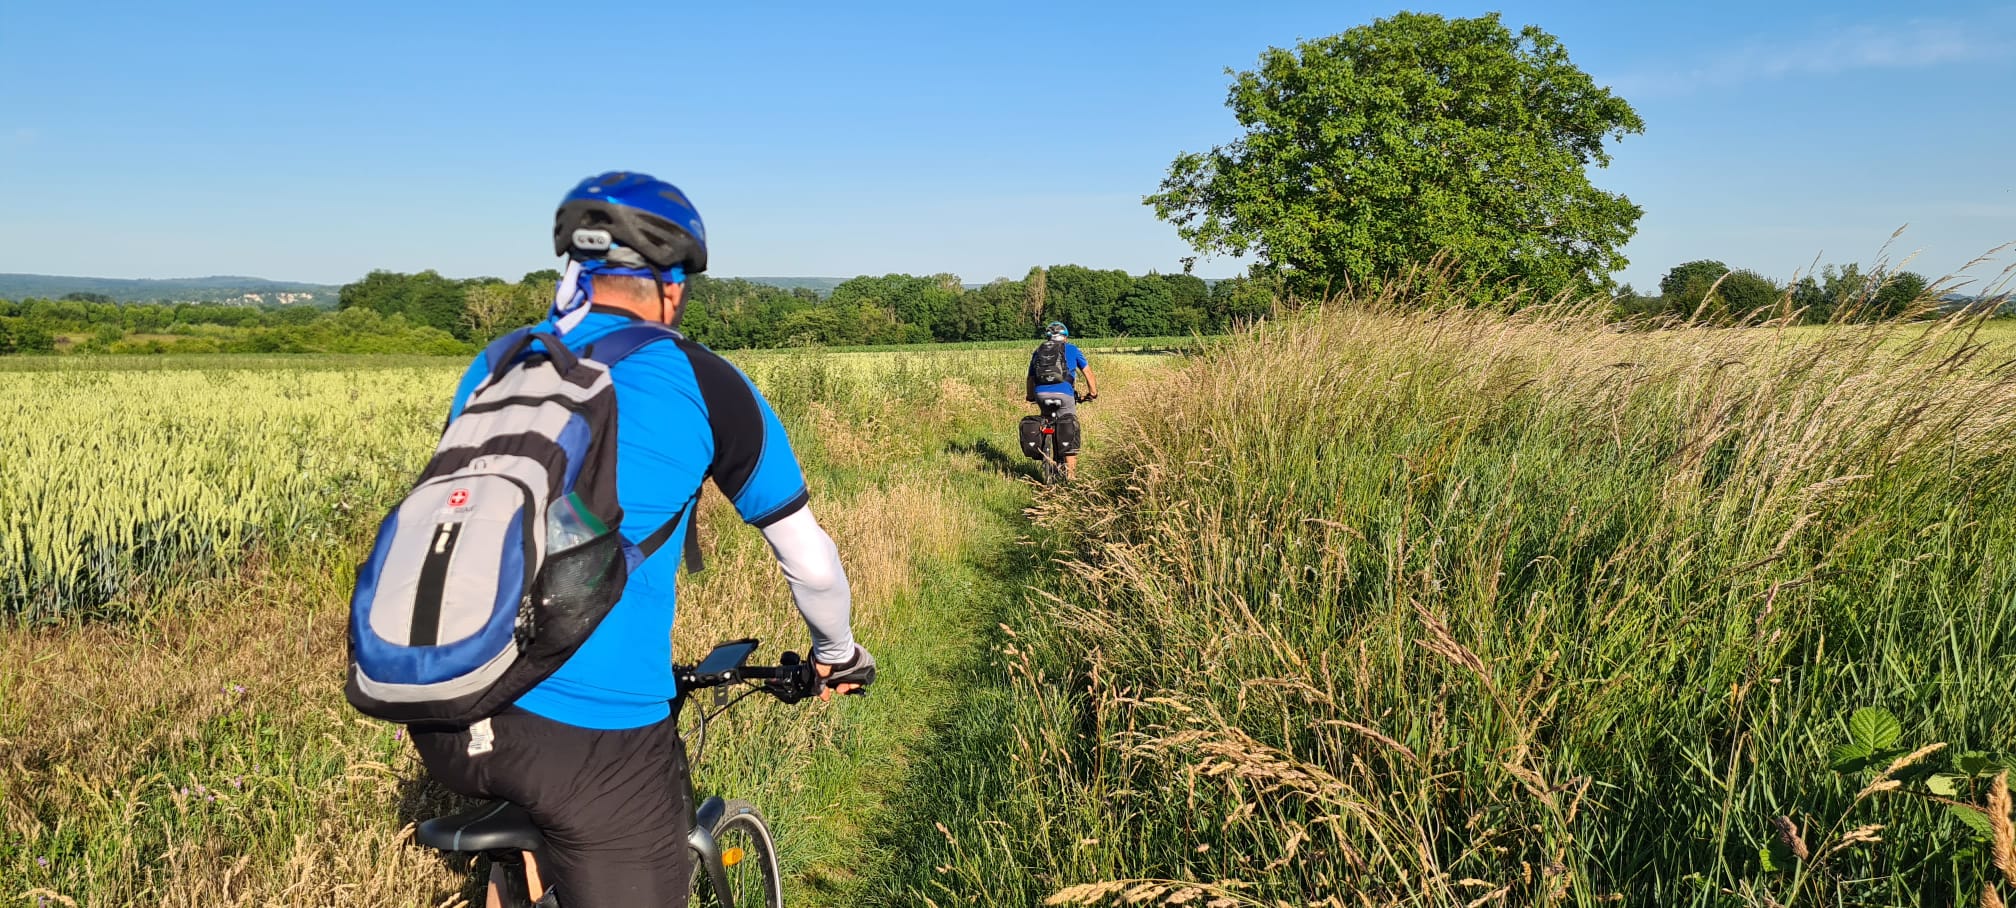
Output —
(630, 220)
(1056, 329)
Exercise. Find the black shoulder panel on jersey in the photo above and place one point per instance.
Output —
(732, 414)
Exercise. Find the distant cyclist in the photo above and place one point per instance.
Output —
(590, 751)
(1053, 369)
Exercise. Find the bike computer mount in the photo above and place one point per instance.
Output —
(718, 667)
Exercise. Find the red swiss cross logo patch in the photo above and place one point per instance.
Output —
(458, 498)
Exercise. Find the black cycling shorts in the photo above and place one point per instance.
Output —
(610, 803)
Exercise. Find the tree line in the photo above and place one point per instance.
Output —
(731, 313)
(1711, 291)
(93, 324)
(427, 313)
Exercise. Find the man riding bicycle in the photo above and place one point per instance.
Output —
(590, 751)
(1052, 380)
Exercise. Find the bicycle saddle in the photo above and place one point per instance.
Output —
(495, 826)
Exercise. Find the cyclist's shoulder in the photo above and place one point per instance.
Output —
(713, 371)
(700, 353)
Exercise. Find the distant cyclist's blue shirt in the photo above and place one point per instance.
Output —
(682, 414)
(1073, 361)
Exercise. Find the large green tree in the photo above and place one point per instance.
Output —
(1416, 136)
(1686, 287)
(1900, 294)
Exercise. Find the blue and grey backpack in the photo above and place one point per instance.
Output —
(506, 554)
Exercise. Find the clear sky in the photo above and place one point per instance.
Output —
(317, 141)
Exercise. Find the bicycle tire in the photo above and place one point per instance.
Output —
(755, 880)
(509, 883)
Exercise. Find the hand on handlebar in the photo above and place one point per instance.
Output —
(850, 677)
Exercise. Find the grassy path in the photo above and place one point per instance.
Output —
(963, 775)
(836, 803)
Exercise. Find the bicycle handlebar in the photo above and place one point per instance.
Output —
(792, 679)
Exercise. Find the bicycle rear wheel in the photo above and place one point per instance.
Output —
(754, 879)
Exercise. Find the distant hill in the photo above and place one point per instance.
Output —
(221, 289)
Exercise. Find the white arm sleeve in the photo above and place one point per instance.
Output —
(811, 564)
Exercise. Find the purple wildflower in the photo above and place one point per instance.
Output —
(237, 688)
(211, 798)
(399, 734)
(237, 781)
(42, 862)
(185, 790)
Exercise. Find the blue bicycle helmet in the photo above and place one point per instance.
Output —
(1056, 329)
(619, 216)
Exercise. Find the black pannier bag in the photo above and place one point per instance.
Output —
(1067, 435)
(1032, 437)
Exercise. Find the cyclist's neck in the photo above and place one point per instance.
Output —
(648, 307)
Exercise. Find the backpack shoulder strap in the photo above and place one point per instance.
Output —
(500, 349)
(505, 350)
(612, 348)
(657, 540)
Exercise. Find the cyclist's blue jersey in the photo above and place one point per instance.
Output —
(1073, 361)
(682, 414)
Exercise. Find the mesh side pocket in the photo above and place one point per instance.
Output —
(575, 588)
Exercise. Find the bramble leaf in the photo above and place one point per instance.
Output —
(1850, 757)
(1874, 728)
(1974, 818)
(1942, 785)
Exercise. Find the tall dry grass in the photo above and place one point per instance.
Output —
(1379, 607)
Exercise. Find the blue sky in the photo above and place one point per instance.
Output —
(318, 141)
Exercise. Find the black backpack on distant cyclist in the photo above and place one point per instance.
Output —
(1048, 364)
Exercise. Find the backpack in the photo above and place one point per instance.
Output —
(1048, 364)
(506, 554)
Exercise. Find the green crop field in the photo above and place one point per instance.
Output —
(1367, 606)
